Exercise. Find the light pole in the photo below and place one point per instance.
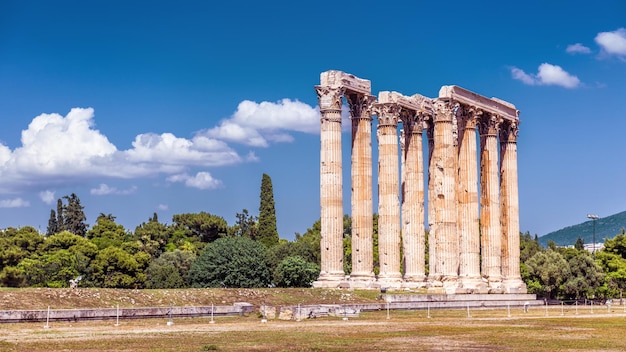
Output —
(593, 220)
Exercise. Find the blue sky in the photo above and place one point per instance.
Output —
(175, 107)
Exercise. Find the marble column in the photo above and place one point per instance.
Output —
(388, 194)
(331, 201)
(362, 221)
(434, 273)
(468, 205)
(443, 172)
(490, 205)
(509, 216)
(413, 234)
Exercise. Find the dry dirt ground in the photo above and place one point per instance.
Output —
(445, 330)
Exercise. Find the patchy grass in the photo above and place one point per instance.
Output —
(40, 298)
(560, 329)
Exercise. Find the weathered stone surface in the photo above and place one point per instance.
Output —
(465, 255)
(388, 192)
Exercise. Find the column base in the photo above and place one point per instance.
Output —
(363, 280)
(514, 285)
(393, 280)
(495, 284)
(362, 276)
(331, 280)
(364, 285)
(472, 285)
(414, 281)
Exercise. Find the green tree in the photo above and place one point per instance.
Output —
(616, 245)
(586, 277)
(170, 270)
(231, 262)
(246, 225)
(106, 232)
(528, 246)
(60, 222)
(116, 268)
(83, 250)
(279, 252)
(312, 238)
(17, 244)
(580, 244)
(53, 225)
(295, 272)
(614, 268)
(74, 216)
(547, 271)
(152, 236)
(268, 233)
(203, 226)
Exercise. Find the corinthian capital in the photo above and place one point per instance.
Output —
(329, 98)
(508, 132)
(490, 124)
(360, 105)
(444, 111)
(388, 114)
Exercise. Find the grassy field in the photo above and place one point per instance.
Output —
(560, 328)
(444, 330)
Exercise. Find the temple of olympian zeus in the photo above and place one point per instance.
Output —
(473, 224)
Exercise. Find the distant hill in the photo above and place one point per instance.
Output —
(607, 227)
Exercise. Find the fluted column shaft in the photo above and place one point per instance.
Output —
(443, 170)
(331, 201)
(490, 205)
(468, 225)
(361, 202)
(434, 272)
(509, 204)
(413, 235)
(388, 193)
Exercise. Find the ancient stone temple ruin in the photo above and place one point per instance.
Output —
(473, 221)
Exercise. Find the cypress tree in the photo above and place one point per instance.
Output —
(53, 225)
(267, 231)
(60, 222)
(74, 219)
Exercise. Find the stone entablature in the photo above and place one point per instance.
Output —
(460, 259)
(494, 106)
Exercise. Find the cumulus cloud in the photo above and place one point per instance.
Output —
(104, 189)
(258, 124)
(613, 43)
(58, 149)
(547, 75)
(577, 48)
(14, 203)
(202, 180)
(47, 196)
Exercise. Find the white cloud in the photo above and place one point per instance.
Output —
(104, 189)
(47, 196)
(577, 48)
(547, 75)
(522, 76)
(14, 203)
(169, 153)
(58, 149)
(613, 43)
(255, 124)
(163, 207)
(202, 180)
(555, 75)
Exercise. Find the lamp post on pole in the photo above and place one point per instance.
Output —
(593, 219)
